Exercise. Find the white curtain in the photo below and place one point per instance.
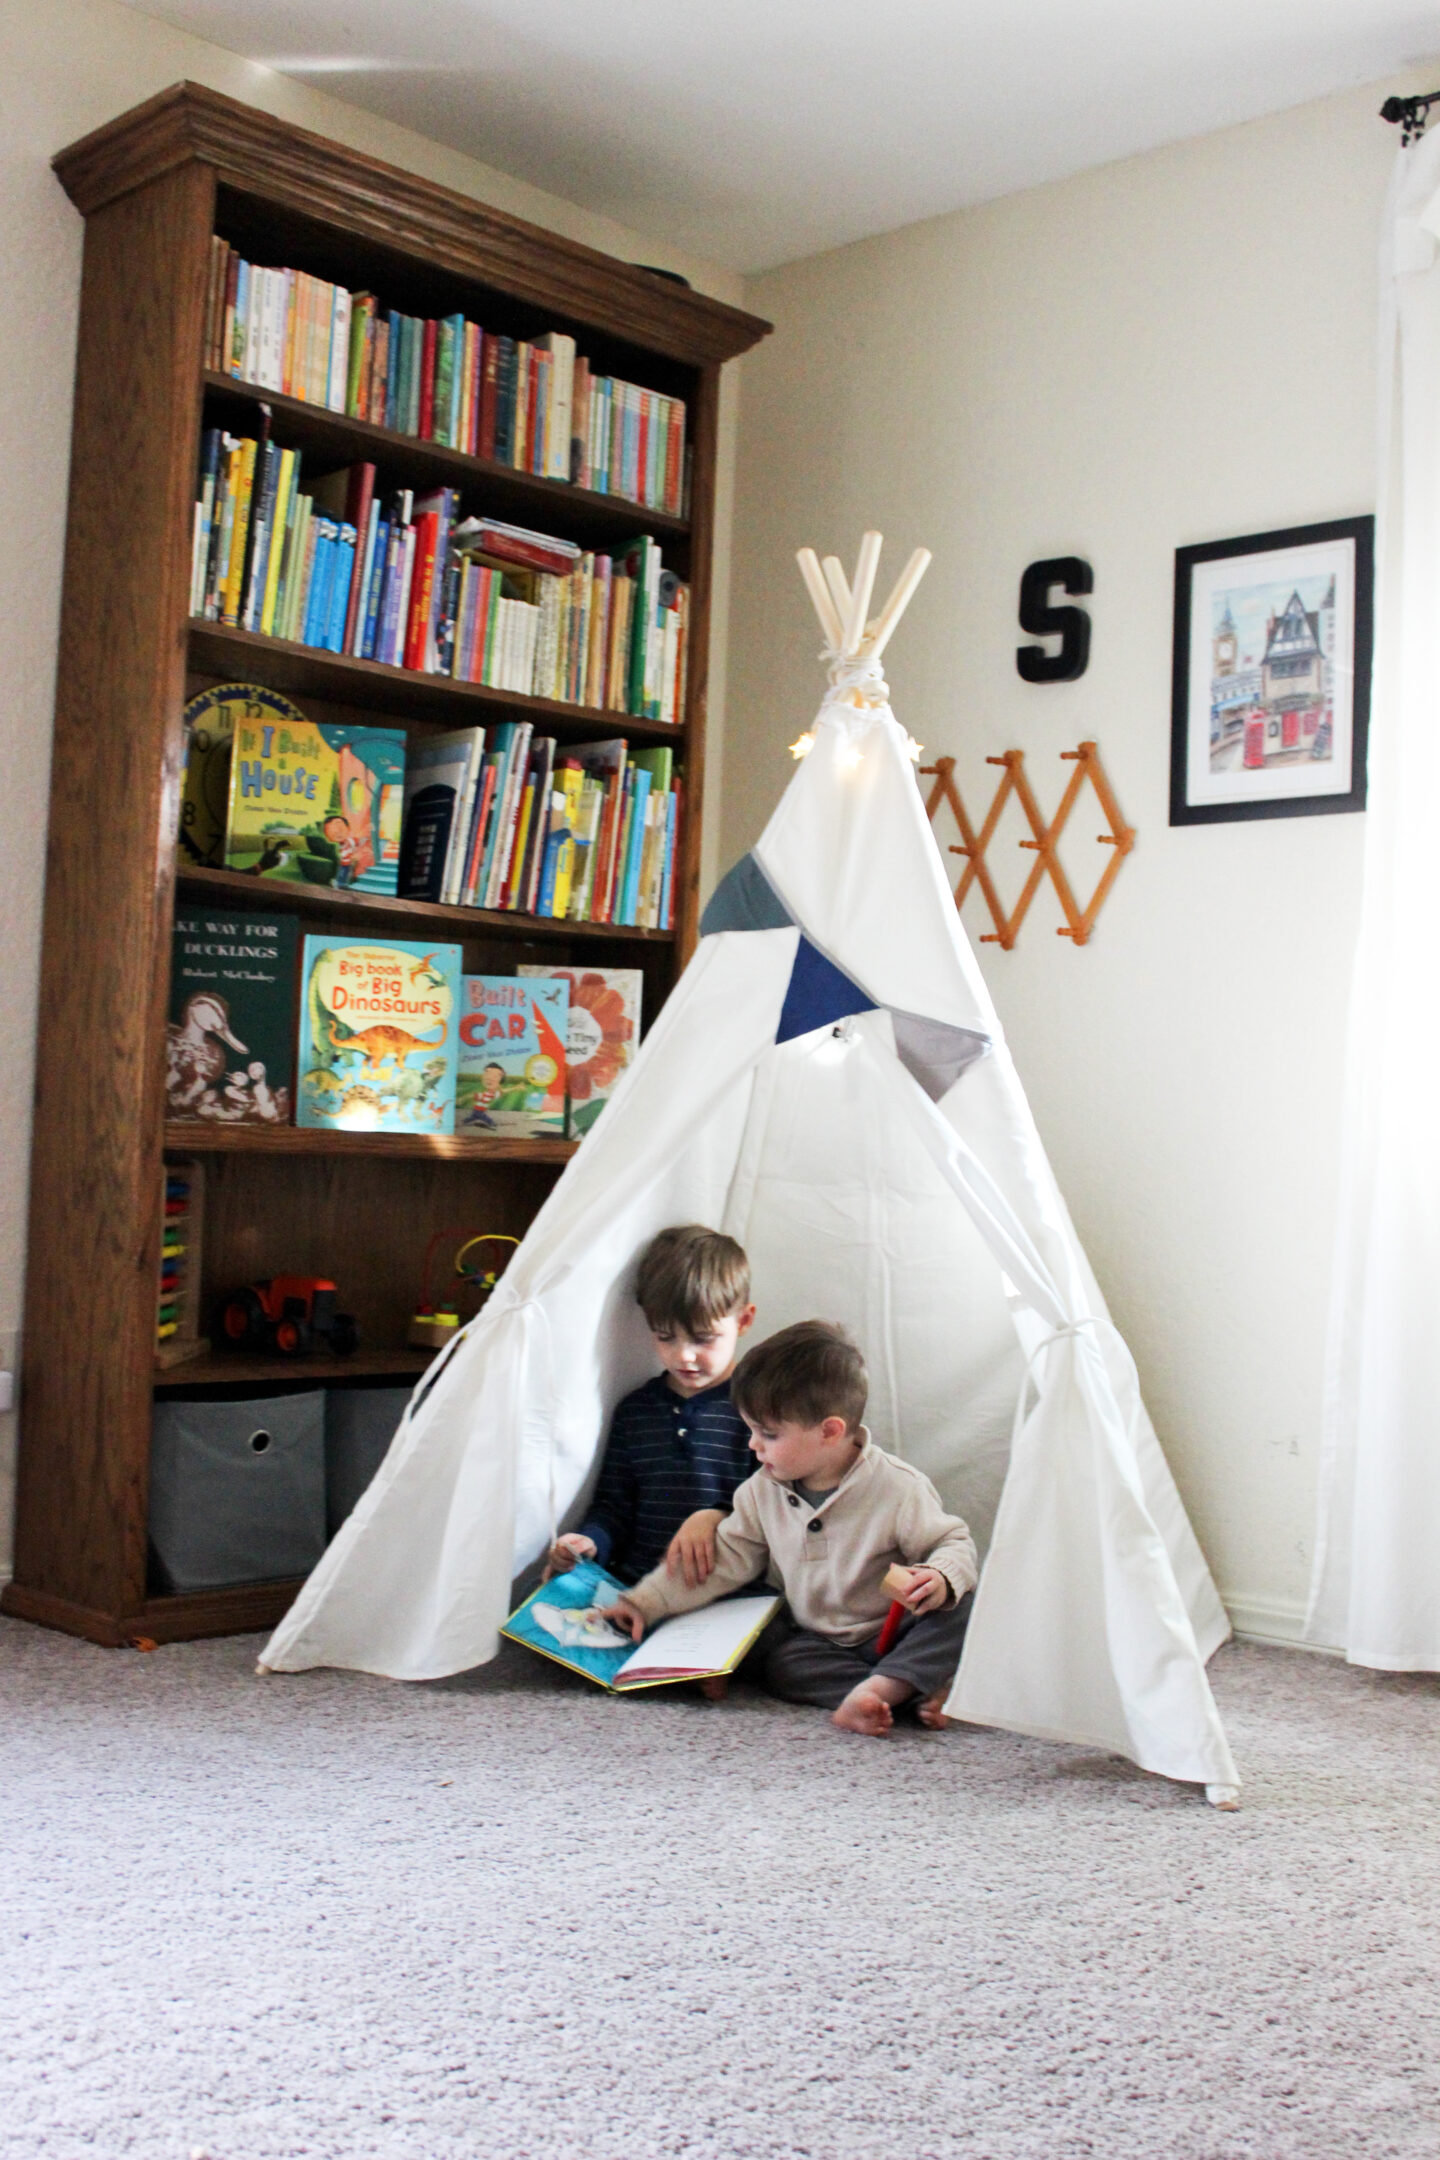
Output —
(1376, 1586)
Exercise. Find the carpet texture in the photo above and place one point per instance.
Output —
(507, 1917)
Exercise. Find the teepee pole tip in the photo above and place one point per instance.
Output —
(887, 621)
(820, 598)
(842, 608)
(839, 588)
(867, 563)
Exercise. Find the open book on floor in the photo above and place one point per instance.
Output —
(562, 1621)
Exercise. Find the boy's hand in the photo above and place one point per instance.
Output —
(928, 1590)
(691, 1551)
(622, 1614)
(564, 1553)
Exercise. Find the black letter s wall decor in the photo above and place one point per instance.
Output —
(1070, 624)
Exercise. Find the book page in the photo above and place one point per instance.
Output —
(708, 1641)
(561, 1619)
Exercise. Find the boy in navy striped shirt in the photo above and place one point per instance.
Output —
(678, 1447)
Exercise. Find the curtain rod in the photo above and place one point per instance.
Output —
(1409, 113)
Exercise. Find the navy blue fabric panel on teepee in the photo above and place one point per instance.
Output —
(744, 900)
(817, 995)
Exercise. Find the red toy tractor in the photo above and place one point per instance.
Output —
(289, 1315)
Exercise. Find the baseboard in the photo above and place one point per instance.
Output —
(1273, 1620)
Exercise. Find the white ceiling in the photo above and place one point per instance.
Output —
(757, 131)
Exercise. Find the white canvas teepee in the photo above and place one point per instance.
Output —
(829, 1083)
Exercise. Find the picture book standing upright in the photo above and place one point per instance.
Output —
(603, 1034)
(314, 804)
(230, 1041)
(512, 1056)
(378, 1034)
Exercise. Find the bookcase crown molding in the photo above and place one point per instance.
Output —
(321, 179)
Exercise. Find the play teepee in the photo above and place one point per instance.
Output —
(829, 1083)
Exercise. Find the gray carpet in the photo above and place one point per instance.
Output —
(508, 1916)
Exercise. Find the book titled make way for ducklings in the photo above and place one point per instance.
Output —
(563, 1620)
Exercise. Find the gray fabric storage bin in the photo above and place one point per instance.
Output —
(359, 1426)
(237, 1489)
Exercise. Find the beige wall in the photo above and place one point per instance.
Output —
(66, 66)
(1170, 350)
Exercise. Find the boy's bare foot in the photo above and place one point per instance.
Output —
(864, 1710)
(716, 1687)
(932, 1712)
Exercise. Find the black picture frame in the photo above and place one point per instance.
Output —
(1185, 720)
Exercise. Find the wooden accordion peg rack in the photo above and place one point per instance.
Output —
(973, 845)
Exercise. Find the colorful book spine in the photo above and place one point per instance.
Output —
(534, 405)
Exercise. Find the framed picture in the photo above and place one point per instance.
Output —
(1271, 692)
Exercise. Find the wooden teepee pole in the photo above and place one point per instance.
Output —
(820, 598)
(867, 563)
(887, 621)
(842, 609)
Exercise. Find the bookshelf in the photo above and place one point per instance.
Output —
(153, 186)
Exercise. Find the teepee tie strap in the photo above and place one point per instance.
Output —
(1071, 1327)
(856, 681)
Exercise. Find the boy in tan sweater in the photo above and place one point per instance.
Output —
(824, 1516)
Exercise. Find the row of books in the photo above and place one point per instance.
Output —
(531, 404)
(412, 583)
(392, 1037)
(504, 818)
(495, 817)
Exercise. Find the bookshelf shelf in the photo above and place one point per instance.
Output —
(155, 186)
(247, 1609)
(233, 888)
(576, 513)
(199, 1138)
(238, 655)
(216, 1369)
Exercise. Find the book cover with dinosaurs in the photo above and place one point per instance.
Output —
(512, 1056)
(378, 1036)
(230, 1042)
(311, 803)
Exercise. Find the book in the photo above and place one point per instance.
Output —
(346, 497)
(511, 1072)
(655, 837)
(312, 803)
(378, 1036)
(435, 783)
(602, 1035)
(517, 544)
(457, 854)
(230, 1039)
(562, 1620)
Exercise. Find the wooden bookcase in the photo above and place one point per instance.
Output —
(153, 186)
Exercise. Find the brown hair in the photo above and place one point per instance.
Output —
(802, 1376)
(689, 1278)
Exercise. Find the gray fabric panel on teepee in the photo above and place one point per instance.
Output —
(745, 900)
(933, 1052)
